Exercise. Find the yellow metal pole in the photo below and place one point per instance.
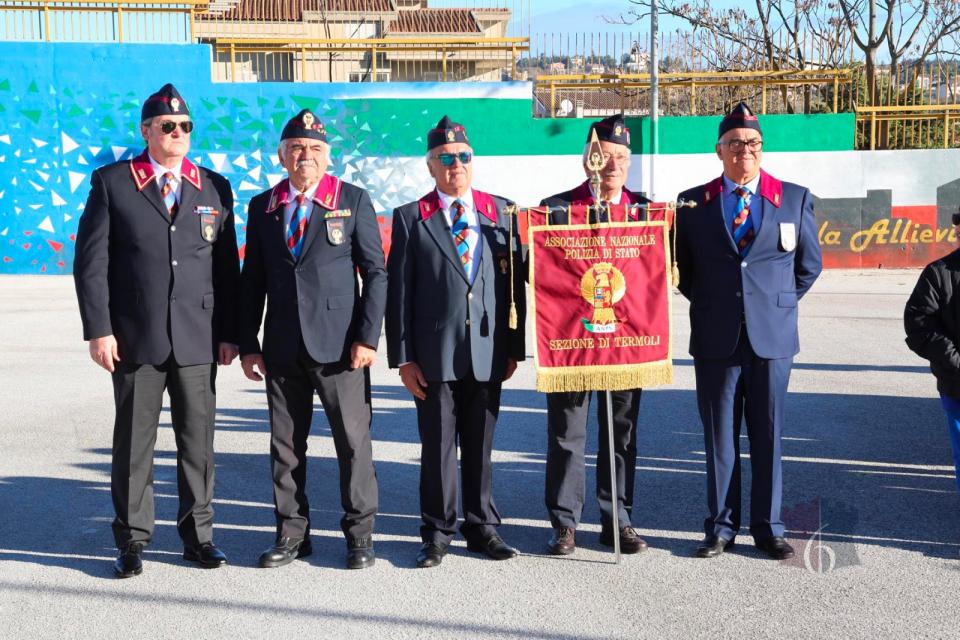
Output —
(873, 130)
(693, 98)
(946, 130)
(193, 26)
(513, 62)
(46, 22)
(553, 98)
(443, 62)
(836, 89)
(233, 62)
(373, 63)
(763, 99)
(303, 65)
(120, 22)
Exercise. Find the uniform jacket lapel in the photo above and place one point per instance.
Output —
(326, 198)
(144, 178)
(190, 188)
(770, 193)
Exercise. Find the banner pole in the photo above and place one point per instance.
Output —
(614, 489)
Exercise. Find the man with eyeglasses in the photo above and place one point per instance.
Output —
(156, 272)
(567, 413)
(453, 254)
(307, 239)
(747, 253)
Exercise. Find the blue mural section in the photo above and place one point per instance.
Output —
(66, 109)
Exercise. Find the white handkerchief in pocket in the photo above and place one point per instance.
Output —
(788, 236)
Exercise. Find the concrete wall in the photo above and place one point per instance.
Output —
(68, 108)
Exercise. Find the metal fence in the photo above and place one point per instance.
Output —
(114, 21)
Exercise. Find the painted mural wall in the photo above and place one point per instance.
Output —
(66, 109)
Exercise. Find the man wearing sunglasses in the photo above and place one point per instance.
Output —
(452, 257)
(156, 273)
(747, 253)
(307, 240)
(567, 413)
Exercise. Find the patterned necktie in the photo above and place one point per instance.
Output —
(169, 194)
(742, 229)
(297, 230)
(461, 231)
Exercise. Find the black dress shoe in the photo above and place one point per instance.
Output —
(431, 554)
(712, 546)
(129, 564)
(360, 553)
(775, 547)
(630, 542)
(285, 551)
(494, 547)
(563, 542)
(206, 555)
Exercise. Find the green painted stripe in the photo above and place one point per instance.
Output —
(506, 127)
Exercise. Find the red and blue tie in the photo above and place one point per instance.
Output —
(461, 232)
(297, 230)
(742, 228)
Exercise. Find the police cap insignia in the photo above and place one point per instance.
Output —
(740, 117)
(445, 132)
(167, 101)
(612, 129)
(304, 125)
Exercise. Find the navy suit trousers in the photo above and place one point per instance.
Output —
(743, 385)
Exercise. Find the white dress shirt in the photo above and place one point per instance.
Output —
(159, 174)
(291, 206)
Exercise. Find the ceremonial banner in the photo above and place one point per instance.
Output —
(601, 305)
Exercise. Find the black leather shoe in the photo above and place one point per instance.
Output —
(630, 542)
(563, 542)
(129, 564)
(431, 554)
(712, 546)
(360, 553)
(206, 555)
(775, 547)
(494, 547)
(285, 551)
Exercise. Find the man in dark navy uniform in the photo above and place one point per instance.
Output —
(307, 238)
(747, 254)
(567, 413)
(156, 273)
(451, 262)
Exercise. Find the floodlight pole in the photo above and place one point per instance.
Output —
(654, 96)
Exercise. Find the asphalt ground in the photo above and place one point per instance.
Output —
(866, 462)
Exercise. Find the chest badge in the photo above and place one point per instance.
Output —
(335, 234)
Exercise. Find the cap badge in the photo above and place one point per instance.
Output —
(618, 130)
(307, 120)
(175, 104)
(451, 136)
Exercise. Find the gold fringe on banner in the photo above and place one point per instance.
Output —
(605, 378)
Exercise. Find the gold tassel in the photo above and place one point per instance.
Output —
(675, 274)
(607, 378)
(514, 320)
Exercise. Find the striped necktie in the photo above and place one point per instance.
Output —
(742, 228)
(461, 231)
(169, 193)
(297, 230)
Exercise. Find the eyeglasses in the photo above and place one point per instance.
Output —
(739, 145)
(617, 159)
(168, 126)
(446, 159)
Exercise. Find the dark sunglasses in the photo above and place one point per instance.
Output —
(446, 159)
(168, 126)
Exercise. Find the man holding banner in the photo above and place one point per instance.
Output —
(567, 412)
(455, 329)
(746, 255)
